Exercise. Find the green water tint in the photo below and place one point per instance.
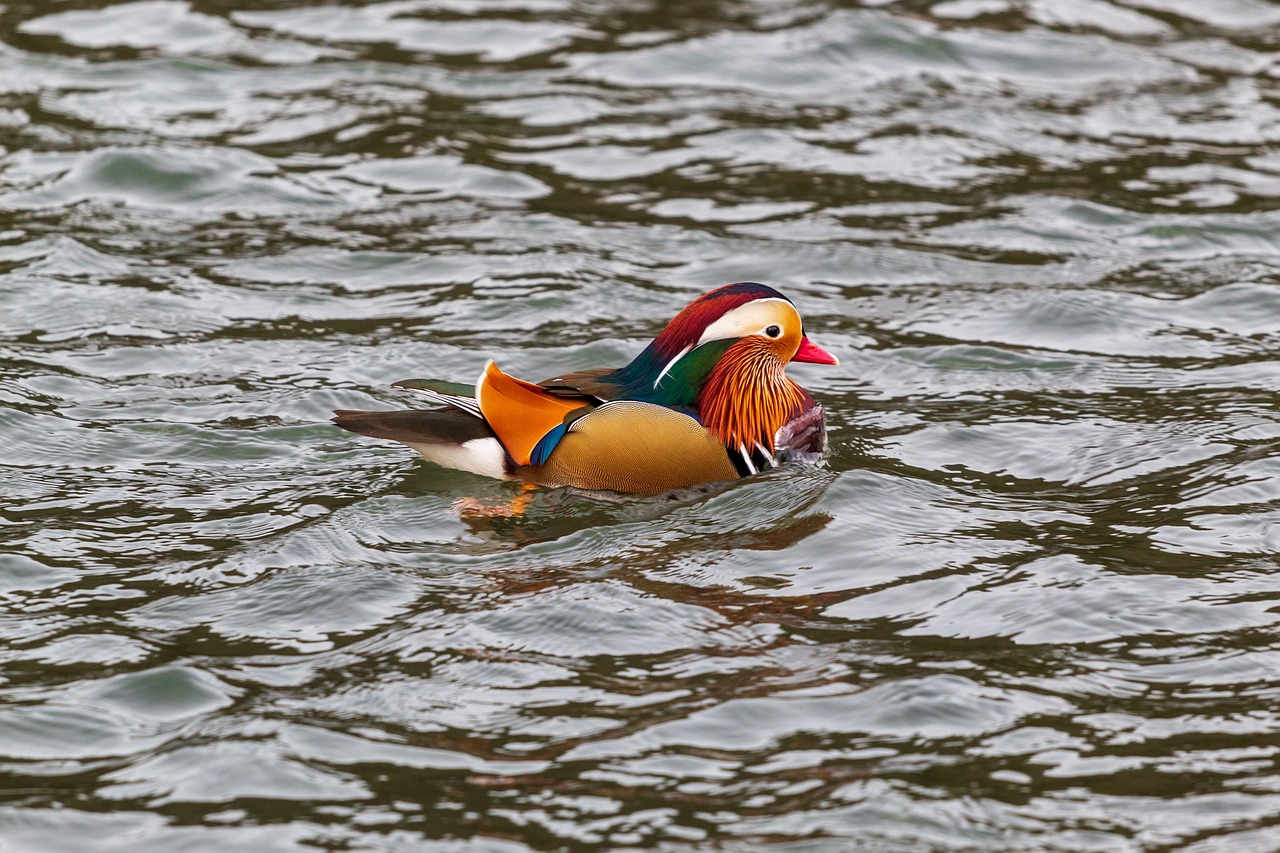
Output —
(1028, 603)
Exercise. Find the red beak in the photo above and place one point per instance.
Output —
(813, 354)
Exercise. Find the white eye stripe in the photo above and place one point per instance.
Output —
(753, 318)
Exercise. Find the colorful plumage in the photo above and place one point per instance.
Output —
(707, 400)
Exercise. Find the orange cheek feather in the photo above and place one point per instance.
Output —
(748, 397)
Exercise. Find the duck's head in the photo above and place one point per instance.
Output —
(754, 320)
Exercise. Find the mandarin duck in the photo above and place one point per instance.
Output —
(707, 400)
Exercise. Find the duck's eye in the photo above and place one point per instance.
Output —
(773, 331)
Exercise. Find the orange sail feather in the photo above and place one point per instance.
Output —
(519, 412)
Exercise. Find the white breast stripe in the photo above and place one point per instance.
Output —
(766, 454)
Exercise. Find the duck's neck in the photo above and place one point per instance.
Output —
(668, 379)
(748, 397)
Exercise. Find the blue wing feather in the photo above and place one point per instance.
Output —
(542, 450)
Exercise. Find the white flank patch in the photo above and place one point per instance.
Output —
(483, 456)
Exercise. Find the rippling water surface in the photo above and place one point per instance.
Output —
(1030, 602)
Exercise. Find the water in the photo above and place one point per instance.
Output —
(1030, 601)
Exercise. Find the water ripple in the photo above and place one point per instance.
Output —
(1026, 604)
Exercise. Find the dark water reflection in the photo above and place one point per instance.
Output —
(1030, 602)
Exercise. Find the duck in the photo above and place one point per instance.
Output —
(708, 400)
